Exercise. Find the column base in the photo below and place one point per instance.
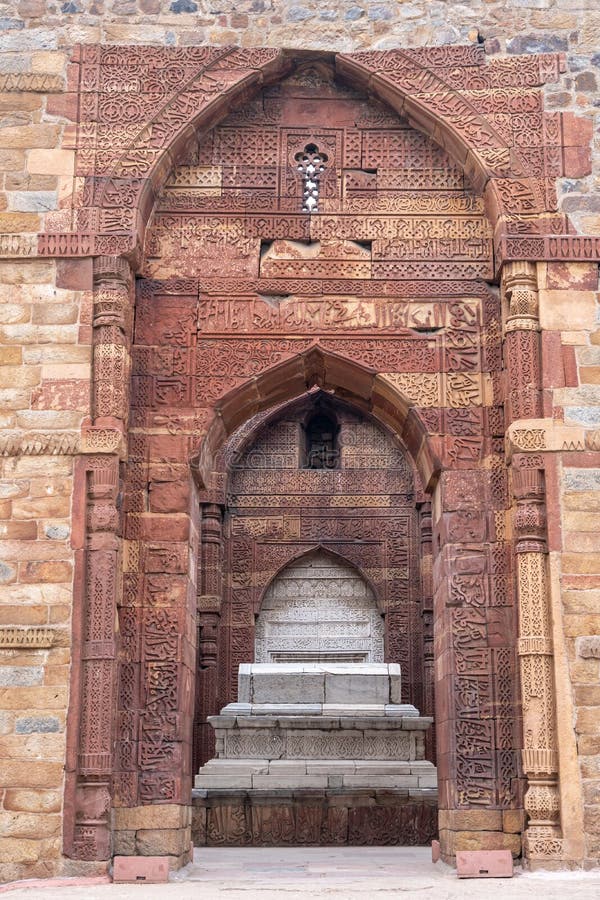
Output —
(160, 830)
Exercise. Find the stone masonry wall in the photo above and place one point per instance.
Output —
(45, 352)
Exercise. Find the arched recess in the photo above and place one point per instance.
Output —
(457, 96)
(374, 393)
(364, 513)
(337, 620)
(336, 557)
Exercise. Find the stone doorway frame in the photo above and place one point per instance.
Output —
(105, 251)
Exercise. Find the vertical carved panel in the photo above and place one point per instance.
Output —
(426, 564)
(209, 602)
(111, 339)
(91, 838)
(542, 837)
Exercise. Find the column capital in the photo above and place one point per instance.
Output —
(520, 288)
(111, 269)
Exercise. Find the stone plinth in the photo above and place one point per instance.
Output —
(325, 728)
(360, 816)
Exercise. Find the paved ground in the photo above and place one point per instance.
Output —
(344, 873)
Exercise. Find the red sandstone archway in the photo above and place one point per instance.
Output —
(475, 639)
(345, 379)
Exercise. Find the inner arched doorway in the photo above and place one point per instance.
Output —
(326, 555)
(364, 512)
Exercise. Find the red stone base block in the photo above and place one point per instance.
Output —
(484, 864)
(155, 831)
(141, 869)
(279, 818)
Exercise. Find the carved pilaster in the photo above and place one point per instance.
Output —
(522, 342)
(208, 618)
(112, 338)
(91, 838)
(94, 740)
(427, 615)
(542, 837)
(539, 755)
(211, 561)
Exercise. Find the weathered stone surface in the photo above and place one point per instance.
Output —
(461, 409)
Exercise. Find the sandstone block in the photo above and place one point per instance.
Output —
(162, 841)
(513, 821)
(588, 646)
(55, 314)
(34, 746)
(26, 272)
(11, 314)
(168, 815)
(18, 531)
(33, 773)
(20, 615)
(32, 201)
(140, 869)
(582, 625)
(124, 843)
(13, 850)
(19, 376)
(588, 720)
(14, 399)
(20, 676)
(12, 160)
(484, 864)
(559, 309)
(14, 222)
(48, 61)
(487, 840)
(32, 801)
(36, 826)
(169, 497)
(50, 161)
(39, 697)
(10, 356)
(57, 571)
(8, 573)
(566, 276)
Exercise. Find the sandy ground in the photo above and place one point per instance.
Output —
(342, 873)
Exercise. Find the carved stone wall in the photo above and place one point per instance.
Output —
(92, 136)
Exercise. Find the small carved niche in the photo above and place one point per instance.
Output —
(311, 165)
(321, 433)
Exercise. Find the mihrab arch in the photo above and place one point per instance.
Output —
(390, 305)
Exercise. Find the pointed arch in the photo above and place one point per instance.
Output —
(380, 395)
(298, 555)
(449, 93)
(331, 599)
